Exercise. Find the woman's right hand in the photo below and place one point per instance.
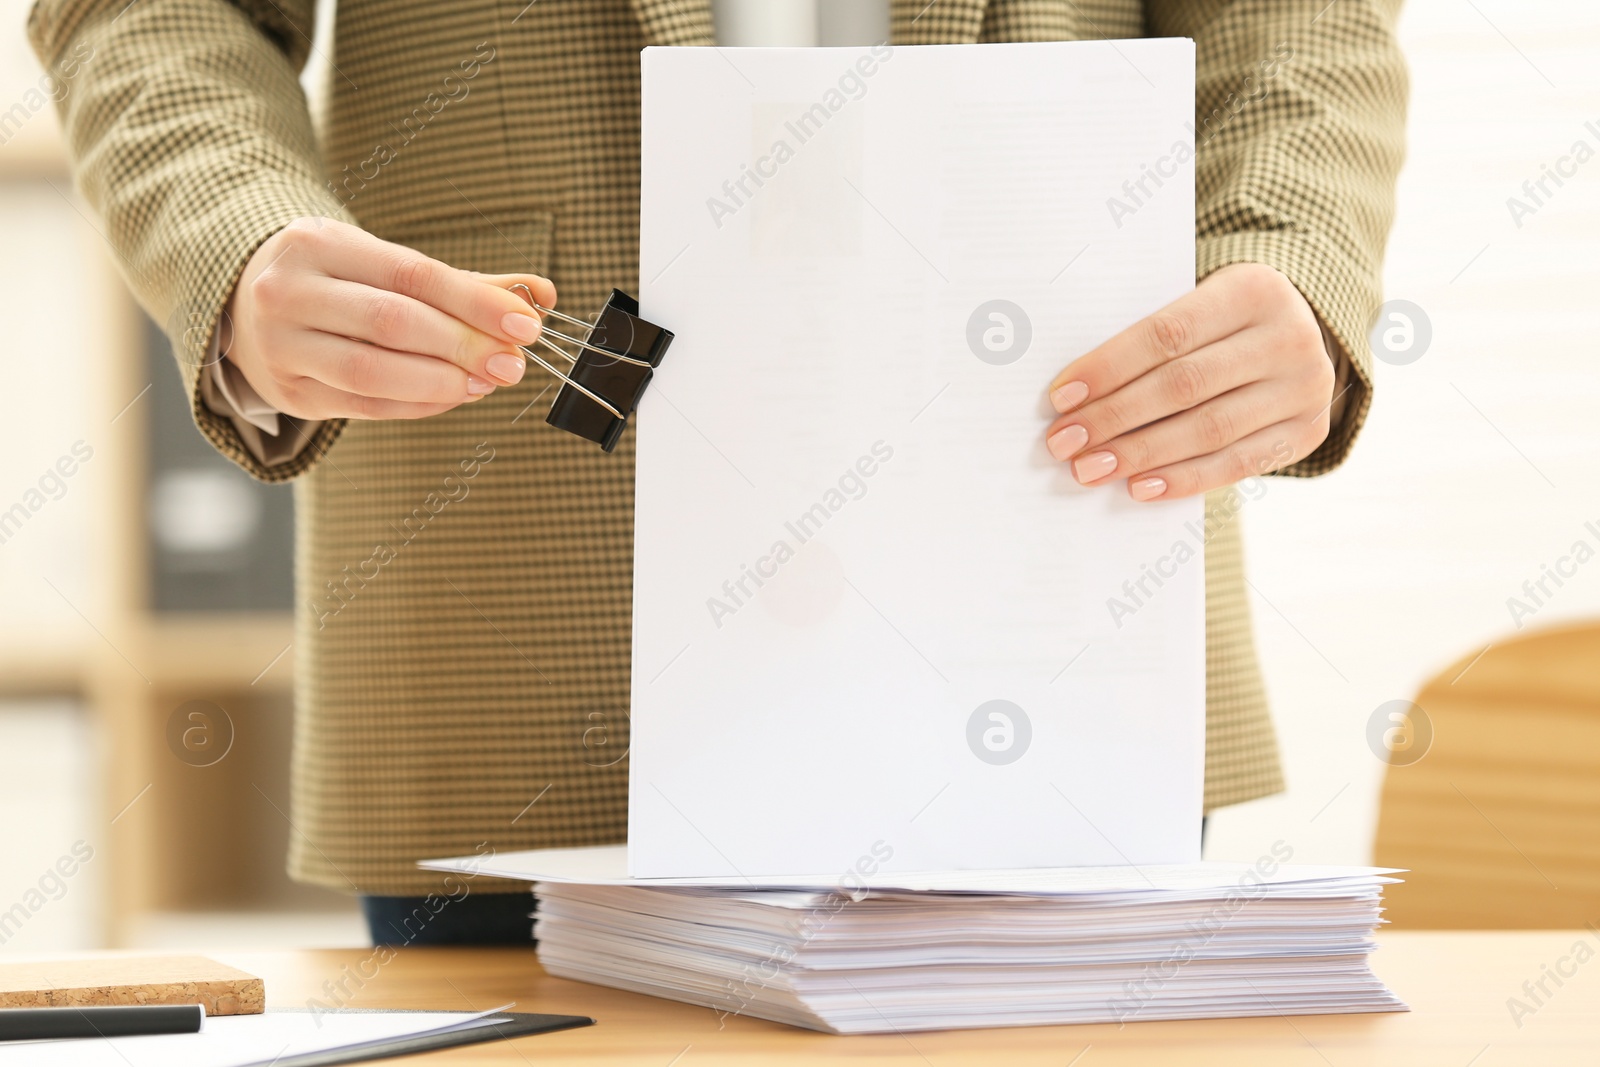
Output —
(328, 321)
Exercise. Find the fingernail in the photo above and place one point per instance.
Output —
(524, 328)
(1094, 466)
(506, 367)
(479, 387)
(1147, 488)
(1065, 442)
(1069, 396)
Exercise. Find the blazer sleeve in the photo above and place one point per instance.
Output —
(1299, 135)
(191, 138)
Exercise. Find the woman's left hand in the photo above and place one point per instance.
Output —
(1229, 381)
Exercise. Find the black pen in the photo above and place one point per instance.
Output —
(116, 1020)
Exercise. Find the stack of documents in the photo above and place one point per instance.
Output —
(969, 949)
(878, 630)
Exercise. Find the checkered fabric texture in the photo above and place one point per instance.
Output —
(447, 697)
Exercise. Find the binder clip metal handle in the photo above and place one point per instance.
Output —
(616, 356)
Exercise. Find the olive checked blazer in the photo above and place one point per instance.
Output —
(463, 582)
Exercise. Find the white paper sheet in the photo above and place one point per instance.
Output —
(850, 538)
(608, 865)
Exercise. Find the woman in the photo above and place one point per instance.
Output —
(463, 569)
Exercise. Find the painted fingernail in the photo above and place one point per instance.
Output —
(1065, 442)
(478, 387)
(524, 328)
(1094, 466)
(1146, 488)
(507, 368)
(1068, 396)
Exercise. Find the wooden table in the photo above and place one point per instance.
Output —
(1458, 985)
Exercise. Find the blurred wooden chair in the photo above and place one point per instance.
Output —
(1499, 822)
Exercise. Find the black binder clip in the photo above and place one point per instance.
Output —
(617, 355)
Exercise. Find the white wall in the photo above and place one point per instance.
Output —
(51, 288)
(51, 865)
(1479, 462)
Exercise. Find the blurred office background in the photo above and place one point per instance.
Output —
(145, 645)
(148, 591)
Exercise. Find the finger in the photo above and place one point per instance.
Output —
(1271, 448)
(384, 373)
(543, 289)
(489, 308)
(311, 399)
(1196, 319)
(394, 321)
(1171, 388)
(351, 253)
(1200, 431)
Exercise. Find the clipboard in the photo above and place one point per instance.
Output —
(496, 1027)
(293, 1037)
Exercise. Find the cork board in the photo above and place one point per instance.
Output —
(132, 980)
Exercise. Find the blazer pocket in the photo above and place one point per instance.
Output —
(497, 243)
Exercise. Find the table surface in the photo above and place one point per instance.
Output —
(1457, 983)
